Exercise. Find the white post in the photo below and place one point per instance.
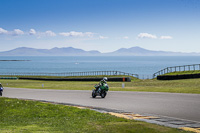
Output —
(123, 85)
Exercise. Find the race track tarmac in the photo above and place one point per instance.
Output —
(176, 105)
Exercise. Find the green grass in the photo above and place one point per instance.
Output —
(20, 116)
(173, 86)
(183, 72)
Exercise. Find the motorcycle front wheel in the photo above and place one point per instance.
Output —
(93, 94)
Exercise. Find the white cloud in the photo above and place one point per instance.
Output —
(17, 32)
(50, 33)
(126, 37)
(3, 31)
(64, 34)
(77, 34)
(147, 35)
(165, 37)
(45, 34)
(32, 32)
(103, 37)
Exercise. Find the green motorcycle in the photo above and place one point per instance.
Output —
(1, 89)
(100, 90)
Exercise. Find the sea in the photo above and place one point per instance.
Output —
(141, 65)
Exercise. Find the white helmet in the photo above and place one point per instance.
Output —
(105, 78)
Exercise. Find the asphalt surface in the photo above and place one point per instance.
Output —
(176, 105)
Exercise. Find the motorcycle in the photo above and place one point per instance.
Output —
(100, 90)
(1, 89)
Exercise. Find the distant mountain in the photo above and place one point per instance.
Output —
(66, 51)
(138, 51)
(70, 51)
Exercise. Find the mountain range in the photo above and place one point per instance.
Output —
(70, 51)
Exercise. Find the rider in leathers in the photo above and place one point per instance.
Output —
(102, 82)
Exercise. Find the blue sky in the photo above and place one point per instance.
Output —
(104, 25)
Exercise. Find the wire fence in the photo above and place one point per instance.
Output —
(183, 68)
(89, 73)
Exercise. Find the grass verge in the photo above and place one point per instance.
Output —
(172, 86)
(21, 116)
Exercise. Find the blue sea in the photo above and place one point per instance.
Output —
(142, 65)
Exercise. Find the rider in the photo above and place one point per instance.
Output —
(103, 81)
(1, 87)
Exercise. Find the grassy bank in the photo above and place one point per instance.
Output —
(32, 116)
(173, 86)
(184, 72)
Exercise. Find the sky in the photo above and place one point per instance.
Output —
(103, 25)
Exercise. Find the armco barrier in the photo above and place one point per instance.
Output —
(193, 67)
(174, 77)
(8, 78)
(73, 74)
(115, 79)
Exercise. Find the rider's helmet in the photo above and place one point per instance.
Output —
(105, 78)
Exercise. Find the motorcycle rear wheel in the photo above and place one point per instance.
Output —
(103, 94)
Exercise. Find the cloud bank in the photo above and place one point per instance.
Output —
(77, 34)
(15, 32)
(49, 33)
(151, 36)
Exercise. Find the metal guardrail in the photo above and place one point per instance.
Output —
(8, 78)
(89, 73)
(183, 68)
